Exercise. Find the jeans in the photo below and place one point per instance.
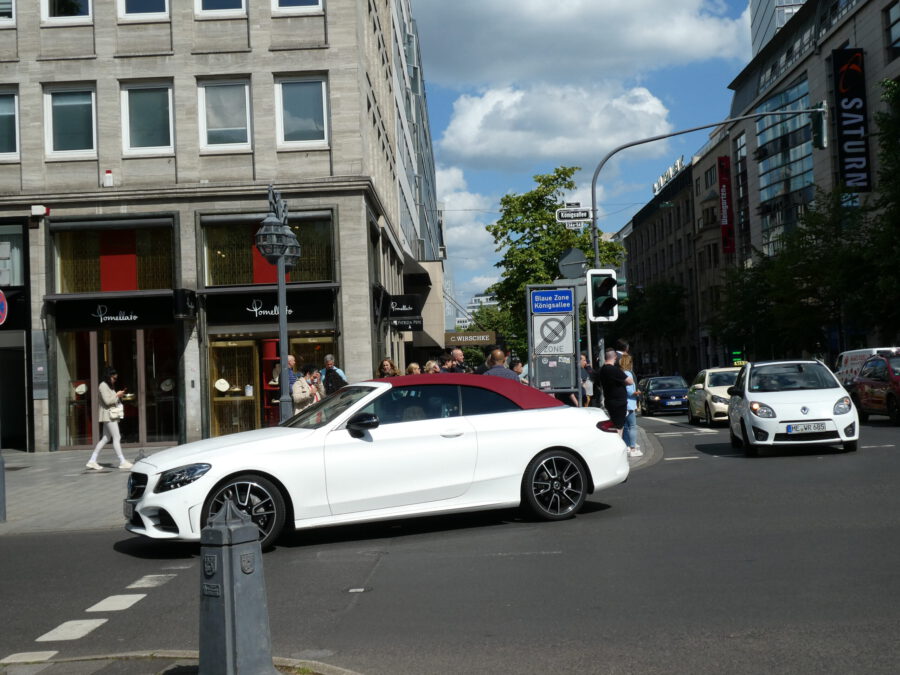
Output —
(629, 432)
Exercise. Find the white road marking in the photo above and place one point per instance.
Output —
(152, 581)
(673, 459)
(177, 567)
(72, 630)
(116, 603)
(890, 445)
(28, 657)
(357, 590)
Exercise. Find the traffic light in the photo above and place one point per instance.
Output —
(819, 123)
(602, 296)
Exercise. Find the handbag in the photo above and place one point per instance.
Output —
(116, 413)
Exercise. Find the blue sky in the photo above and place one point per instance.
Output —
(519, 87)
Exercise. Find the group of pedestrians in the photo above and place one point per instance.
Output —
(310, 384)
(617, 382)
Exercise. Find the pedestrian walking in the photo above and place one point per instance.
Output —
(629, 432)
(386, 369)
(613, 381)
(307, 388)
(332, 377)
(498, 367)
(111, 411)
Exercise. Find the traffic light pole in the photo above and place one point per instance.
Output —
(595, 232)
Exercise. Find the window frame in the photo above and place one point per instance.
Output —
(207, 147)
(201, 13)
(11, 21)
(49, 152)
(280, 141)
(124, 15)
(67, 20)
(16, 155)
(278, 10)
(125, 89)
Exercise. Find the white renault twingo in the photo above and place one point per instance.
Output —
(800, 402)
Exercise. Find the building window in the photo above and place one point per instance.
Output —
(9, 125)
(143, 9)
(296, 6)
(89, 261)
(233, 259)
(7, 12)
(301, 112)
(219, 8)
(70, 122)
(893, 27)
(225, 116)
(66, 11)
(12, 272)
(147, 119)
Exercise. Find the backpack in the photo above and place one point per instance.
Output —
(332, 380)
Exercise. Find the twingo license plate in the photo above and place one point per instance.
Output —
(806, 428)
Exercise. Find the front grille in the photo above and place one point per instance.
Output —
(816, 436)
(137, 483)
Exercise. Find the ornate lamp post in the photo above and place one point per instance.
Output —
(278, 244)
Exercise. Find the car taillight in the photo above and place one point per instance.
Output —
(608, 426)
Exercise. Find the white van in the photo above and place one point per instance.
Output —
(848, 363)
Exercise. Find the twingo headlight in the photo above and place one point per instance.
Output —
(183, 475)
(762, 410)
(843, 406)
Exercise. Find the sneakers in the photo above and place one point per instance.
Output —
(94, 466)
(125, 465)
(635, 452)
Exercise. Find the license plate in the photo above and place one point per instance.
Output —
(673, 402)
(128, 509)
(805, 428)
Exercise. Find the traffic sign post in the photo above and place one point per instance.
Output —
(553, 338)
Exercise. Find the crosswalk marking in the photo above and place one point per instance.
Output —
(673, 459)
(116, 603)
(152, 581)
(71, 630)
(28, 657)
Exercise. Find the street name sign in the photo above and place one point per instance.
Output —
(552, 301)
(573, 215)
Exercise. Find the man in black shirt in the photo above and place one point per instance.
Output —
(613, 380)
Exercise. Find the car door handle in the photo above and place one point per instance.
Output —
(452, 434)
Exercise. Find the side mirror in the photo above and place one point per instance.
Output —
(699, 385)
(362, 422)
(734, 391)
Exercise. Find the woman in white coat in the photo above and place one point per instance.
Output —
(307, 388)
(111, 411)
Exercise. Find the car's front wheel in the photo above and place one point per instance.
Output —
(255, 496)
(893, 410)
(735, 441)
(555, 485)
(851, 446)
(709, 416)
(750, 450)
(691, 418)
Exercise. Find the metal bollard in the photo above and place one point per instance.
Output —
(2, 490)
(234, 616)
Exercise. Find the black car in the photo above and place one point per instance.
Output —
(662, 394)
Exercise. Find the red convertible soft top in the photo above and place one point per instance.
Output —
(524, 396)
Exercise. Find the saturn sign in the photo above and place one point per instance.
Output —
(4, 308)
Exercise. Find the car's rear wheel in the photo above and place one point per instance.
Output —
(750, 450)
(893, 410)
(555, 485)
(255, 496)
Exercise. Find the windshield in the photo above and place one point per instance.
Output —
(659, 383)
(328, 409)
(895, 364)
(725, 379)
(791, 377)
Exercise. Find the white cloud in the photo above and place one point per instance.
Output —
(511, 41)
(513, 128)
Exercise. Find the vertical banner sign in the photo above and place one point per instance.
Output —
(726, 213)
(850, 112)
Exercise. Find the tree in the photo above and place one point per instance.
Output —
(532, 242)
(655, 319)
(490, 317)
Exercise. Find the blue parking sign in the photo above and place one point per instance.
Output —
(552, 301)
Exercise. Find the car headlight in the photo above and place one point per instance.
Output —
(183, 475)
(762, 410)
(719, 399)
(843, 406)
(654, 398)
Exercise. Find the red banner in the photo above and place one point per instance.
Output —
(726, 213)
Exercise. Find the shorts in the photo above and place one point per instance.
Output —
(617, 414)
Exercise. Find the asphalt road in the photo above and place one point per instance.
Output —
(703, 562)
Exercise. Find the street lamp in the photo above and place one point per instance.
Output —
(279, 246)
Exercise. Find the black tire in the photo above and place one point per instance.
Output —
(255, 496)
(554, 486)
(851, 446)
(709, 417)
(736, 442)
(893, 410)
(691, 418)
(647, 412)
(750, 450)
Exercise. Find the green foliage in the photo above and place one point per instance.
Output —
(656, 316)
(500, 321)
(531, 242)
